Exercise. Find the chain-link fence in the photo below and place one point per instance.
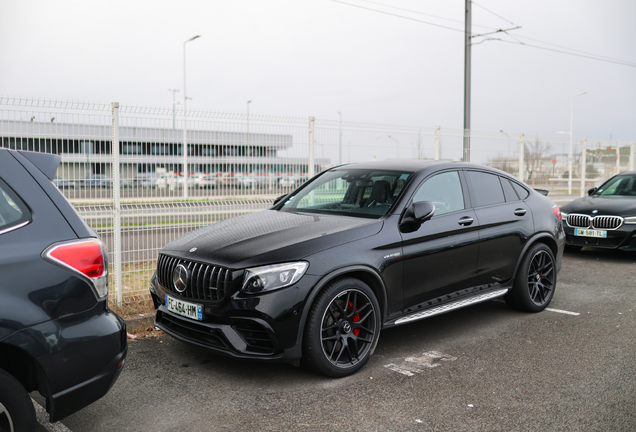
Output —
(239, 163)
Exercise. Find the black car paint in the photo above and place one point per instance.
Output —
(391, 262)
(623, 238)
(56, 337)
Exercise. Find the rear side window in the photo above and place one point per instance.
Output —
(13, 212)
(509, 191)
(521, 191)
(486, 187)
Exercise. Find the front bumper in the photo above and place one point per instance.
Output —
(623, 238)
(262, 327)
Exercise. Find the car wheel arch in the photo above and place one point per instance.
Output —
(544, 238)
(24, 367)
(363, 273)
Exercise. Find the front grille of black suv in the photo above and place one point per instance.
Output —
(597, 222)
(205, 281)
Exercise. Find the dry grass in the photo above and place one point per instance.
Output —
(135, 295)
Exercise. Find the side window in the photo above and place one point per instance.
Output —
(510, 193)
(521, 191)
(13, 212)
(486, 187)
(444, 190)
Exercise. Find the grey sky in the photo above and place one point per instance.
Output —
(318, 57)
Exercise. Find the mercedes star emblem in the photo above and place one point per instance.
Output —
(180, 278)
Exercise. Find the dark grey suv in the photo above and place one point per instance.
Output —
(57, 335)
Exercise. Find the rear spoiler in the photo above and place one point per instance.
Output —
(543, 191)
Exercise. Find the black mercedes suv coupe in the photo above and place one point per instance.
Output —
(356, 249)
(57, 334)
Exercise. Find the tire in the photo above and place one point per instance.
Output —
(16, 408)
(338, 339)
(535, 282)
(572, 248)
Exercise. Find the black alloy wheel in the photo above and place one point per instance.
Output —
(534, 285)
(342, 328)
(16, 409)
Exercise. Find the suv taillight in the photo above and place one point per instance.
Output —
(556, 211)
(87, 257)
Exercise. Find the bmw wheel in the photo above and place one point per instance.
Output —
(342, 329)
(16, 409)
(535, 283)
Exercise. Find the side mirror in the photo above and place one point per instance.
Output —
(591, 191)
(279, 199)
(423, 210)
(416, 214)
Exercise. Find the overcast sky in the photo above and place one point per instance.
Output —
(318, 57)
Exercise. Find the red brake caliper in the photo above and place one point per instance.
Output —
(356, 318)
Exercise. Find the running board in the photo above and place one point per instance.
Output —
(451, 306)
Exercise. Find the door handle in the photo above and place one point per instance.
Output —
(465, 221)
(520, 212)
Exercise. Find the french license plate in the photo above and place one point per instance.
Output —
(590, 233)
(183, 308)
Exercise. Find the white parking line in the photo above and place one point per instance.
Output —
(562, 311)
(43, 419)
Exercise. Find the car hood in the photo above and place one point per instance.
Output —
(268, 237)
(612, 205)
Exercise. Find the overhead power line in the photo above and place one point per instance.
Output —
(399, 16)
(563, 50)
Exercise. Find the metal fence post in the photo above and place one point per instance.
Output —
(583, 165)
(521, 157)
(310, 168)
(618, 158)
(437, 142)
(632, 157)
(117, 266)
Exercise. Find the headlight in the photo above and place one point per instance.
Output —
(564, 215)
(271, 277)
(630, 220)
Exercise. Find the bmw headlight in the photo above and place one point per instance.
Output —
(271, 277)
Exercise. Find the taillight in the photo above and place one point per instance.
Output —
(556, 211)
(87, 257)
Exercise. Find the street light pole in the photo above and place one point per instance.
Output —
(570, 152)
(340, 138)
(174, 102)
(185, 129)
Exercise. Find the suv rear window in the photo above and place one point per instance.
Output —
(13, 211)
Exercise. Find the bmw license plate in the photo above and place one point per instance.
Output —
(183, 308)
(590, 233)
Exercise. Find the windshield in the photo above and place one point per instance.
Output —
(361, 193)
(620, 186)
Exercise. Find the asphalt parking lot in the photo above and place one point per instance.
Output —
(486, 368)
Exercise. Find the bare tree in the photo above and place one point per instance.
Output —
(533, 155)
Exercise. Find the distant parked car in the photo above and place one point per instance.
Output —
(606, 218)
(166, 181)
(147, 180)
(205, 181)
(356, 249)
(57, 335)
(192, 181)
(288, 181)
(97, 181)
(63, 183)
